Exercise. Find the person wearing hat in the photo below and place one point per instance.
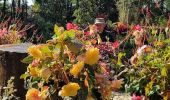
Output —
(105, 34)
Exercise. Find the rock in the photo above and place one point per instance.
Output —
(121, 96)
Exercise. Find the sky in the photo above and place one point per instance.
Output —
(30, 2)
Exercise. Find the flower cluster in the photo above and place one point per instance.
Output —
(70, 26)
(65, 58)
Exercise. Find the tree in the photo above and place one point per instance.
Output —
(88, 10)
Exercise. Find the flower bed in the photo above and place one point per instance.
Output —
(75, 64)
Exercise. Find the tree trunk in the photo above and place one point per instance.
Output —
(19, 4)
(11, 65)
(13, 8)
(4, 8)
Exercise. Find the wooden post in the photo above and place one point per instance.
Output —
(11, 65)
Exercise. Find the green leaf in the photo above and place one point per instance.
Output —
(120, 55)
(46, 50)
(91, 74)
(27, 59)
(24, 76)
(70, 34)
(73, 46)
(58, 30)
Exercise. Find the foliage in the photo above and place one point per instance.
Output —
(8, 91)
(86, 12)
(123, 7)
(149, 76)
(13, 31)
(70, 59)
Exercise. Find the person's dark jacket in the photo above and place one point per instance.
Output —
(108, 34)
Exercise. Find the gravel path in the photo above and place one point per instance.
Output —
(121, 96)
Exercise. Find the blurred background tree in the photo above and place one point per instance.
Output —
(45, 13)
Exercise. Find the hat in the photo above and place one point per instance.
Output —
(99, 21)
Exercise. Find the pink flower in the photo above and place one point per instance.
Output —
(134, 97)
(35, 63)
(3, 31)
(137, 27)
(116, 44)
(70, 26)
(87, 33)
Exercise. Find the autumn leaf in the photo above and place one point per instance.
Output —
(117, 84)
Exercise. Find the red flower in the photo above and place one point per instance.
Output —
(116, 44)
(137, 27)
(87, 33)
(70, 26)
(134, 97)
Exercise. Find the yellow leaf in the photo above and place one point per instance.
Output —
(148, 87)
(165, 97)
(58, 30)
(86, 83)
(147, 90)
(45, 73)
(164, 71)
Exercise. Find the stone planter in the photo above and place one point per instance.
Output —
(11, 65)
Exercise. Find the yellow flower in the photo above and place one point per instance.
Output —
(69, 90)
(33, 94)
(92, 56)
(164, 72)
(33, 71)
(76, 69)
(35, 52)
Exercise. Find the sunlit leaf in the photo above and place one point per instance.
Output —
(46, 50)
(24, 76)
(27, 60)
(71, 34)
(164, 72)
